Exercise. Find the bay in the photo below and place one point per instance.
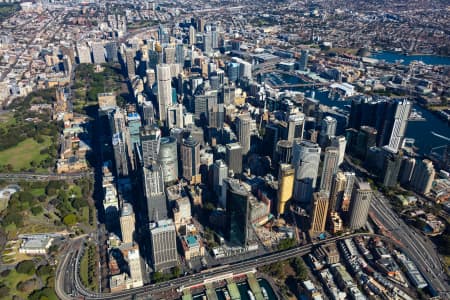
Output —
(392, 57)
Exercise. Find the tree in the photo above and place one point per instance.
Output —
(300, 269)
(27, 286)
(176, 272)
(286, 244)
(35, 210)
(26, 267)
(70, 220)
(26, 197)
(44, 270)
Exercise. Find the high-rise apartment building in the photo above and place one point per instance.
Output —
(423, 176)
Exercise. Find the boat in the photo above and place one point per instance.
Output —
(250, 294)
(416, 116)
(226, 295)
(265, 294)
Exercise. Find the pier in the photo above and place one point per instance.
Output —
(233, 289)
(210, 292)
(254, 286)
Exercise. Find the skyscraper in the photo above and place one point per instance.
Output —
(120, 154)
(423, 176)
(220, 172)
(238, 211)
(243, 128)
(359, 205)
(233, 157)
(284, 152)
(131, 64)
(337, 192)
(127, 223)
(190, 158)
(150, 136)
(330, 167)
(350, 179)
(163, 245)
(303, 62)
(169, 55)
(401, 116)
(391, 167)
(306, 160)
(319, 213)
(341, 143)
(168, 157)
(285, 186)
(327, 131)
(296, 125)
(154, 192)
(164, 89)
(406, 170)
(191, 35)
(111, 52)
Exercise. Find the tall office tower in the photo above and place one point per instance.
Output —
(330, 167)
(215, 39)
(243, 128)
(328, 130)
(296, 125)
(179, 54)
(154, 59)
(220, 172)
(233, 157)
(150, 142)
(131, 64)
(401, 116)
(340, 143)
(98, 53)
(84, 54)
(359, 205)
(350, 179)
(168, 157)
(135, 266)
(406, 170)
(191, 35)
(207, 42)
(154, 192)
(127, 223)
(111, 52)
(120, 154)
(245, 70)
(190, 158)
(284, 152)
(303, 62)
(164, 89)
(150, 76)
(163, 245)
(216, 116)
(365, 139)
(237, 215)
(285, 186)
(391, 167)
(175, 116)
(163, 36)
(306, 160)
(116, 121)
(67, 64)
(270, 139)
(337, 191)
(148, 113)
(423, 176)
(233, 71)
(319, 213)
(200, 24)
(169, 55)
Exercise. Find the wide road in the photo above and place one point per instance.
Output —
(44, 177)
(186, 281)
(420, 249)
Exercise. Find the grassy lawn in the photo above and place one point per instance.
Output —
(24, 153)
(11, 281)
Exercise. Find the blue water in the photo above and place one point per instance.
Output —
(391, 57)
(419, 131)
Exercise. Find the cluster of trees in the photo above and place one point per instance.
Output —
(66, 203)
(89, 257)
(175, 272)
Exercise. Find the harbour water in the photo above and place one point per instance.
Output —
(419, 131)
(243, 288)
(392, 57)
